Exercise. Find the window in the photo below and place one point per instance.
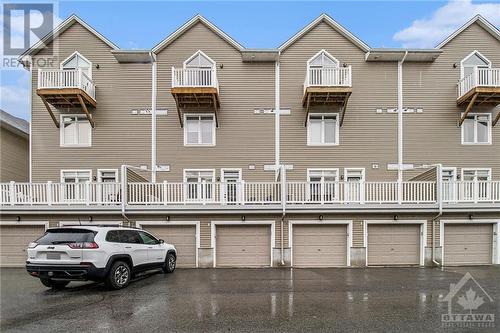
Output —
(476, 129)
(323, 186)
(232, 187)
(472, 61)
(475, 184)
(354, 187)
(75, 176)
(147, 238)
(75, 131)
(476, 174)
(199, 60)
(449, 185)
(322, 130)
(108, 189)
(113, 236)
(322, 59)
(75, 189)
(199, 130)
(199, 185)
(76, 61)
(107, 176)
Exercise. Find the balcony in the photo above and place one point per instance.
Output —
(66, 89)
(250, 195)
(195, 90)
(327, 86)
(481, 87)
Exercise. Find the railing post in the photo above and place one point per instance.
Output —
(80, 78)
(475, 190)
(203, 191)
(243, 192)
(39, 79)
(475, 79)
(87, 193)
(165, 190)
(12, 193)
(173, 77)
(49, 193)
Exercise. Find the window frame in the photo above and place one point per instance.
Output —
(100, 171)
(476, 52)
(476, 170)
(200, 191)
(199, 52)
(214, 127)
(76, 53)
(312, 194)
(323, 51)
(75, 170)
(337, 129)
(61, 132)
(475, 115)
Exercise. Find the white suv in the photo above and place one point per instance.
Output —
(97, 253)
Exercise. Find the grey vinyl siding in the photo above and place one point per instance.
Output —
(242, 138)
(14, 157)
(119, 137)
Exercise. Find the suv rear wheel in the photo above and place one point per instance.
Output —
(118, 276)
(169, 265)
(54, 284)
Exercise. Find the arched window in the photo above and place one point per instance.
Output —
(76, 61)
(199, 60)
(473, 60)
(322, 59)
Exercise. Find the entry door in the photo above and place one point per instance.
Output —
(448, 178)
(354, 182)
(108, 188)
(231, 180)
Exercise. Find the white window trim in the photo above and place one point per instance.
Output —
(336, 181)
(75, 170)
(198, 170)
(61, 133)
(214, 128)
(475, 130)
(347, 170)
(195, 55)
(222, 170)
(325, 52)
(467, 57)
(61, 65)
(309, 170)
(474, 169)
(100, 171)
(361, 187)
(337, 130)
(454, 169)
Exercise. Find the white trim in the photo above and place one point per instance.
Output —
(474, 169)
(337, 129)
(423, 235)
(21, 223)
(361, 186)
(213, 236)
(490, 130)
(61, 132)
(99, 174)
(214, 64)
(326, 53)
(186, 26)
(140, 224)
(76, 53)
(495, 252)
(481, 21)
(87, 223)
(454, 169)
(324, 17)
(75, 170)
(467, 57)
(214, 128)
(196, 170)
(348, 223)
(222, 170)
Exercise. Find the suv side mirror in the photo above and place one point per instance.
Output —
(161, 241)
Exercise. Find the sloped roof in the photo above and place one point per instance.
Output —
(484, 23)
(331, 22)
(186, 26)
(13, 123)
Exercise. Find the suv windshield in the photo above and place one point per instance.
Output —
(65, 236)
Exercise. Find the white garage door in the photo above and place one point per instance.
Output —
(468, 244)
(393, 244)
(14, 240)
(183, 237)
(243, 245)
(319, 245)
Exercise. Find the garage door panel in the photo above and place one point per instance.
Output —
(243, 245)
(397, 244)
(183, 237)
(13, 243)
(468, 244)
(319, 245)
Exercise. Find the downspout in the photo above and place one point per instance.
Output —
(440, 206)
(400, 127)
(153, 117)
(123, 191)
(30, 59)
(280, 169)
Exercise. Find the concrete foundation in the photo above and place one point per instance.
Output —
(428, 255)
(358, 256)
(277, 257)
(205, 258)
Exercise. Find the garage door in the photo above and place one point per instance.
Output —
(243, 246)
(393, 244)
(14, 240)
(183, 237)
(319, 245)
(468, 244)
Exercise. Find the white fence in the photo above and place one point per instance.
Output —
(328, 77)
(61, 78)
(480, 77)
(194, 77)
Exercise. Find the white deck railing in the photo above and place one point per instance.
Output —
(194, 77)
(248, 193)
(60, 79)
(328, 77)
(480, 77)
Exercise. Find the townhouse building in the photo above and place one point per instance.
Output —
(323, 152)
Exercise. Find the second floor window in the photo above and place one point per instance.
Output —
(75, 131)
(76, 61)
(322, 129)
(476, 129)
(199, 130)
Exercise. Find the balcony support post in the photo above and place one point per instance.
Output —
(495, 121)
(86, 111)
(467, 110)
(47, 106)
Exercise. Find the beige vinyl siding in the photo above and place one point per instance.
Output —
(14, 157)
(119, 137)
(433, 136)
(242, 138)
(426, 176)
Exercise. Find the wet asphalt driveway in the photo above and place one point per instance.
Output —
(245, 300)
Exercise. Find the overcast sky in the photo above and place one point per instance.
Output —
(134, 24)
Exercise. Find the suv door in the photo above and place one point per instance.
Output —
(133, 245)
(156, 252)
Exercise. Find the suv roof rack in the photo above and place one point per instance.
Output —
(99, 225)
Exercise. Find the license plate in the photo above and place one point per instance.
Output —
(54, 256)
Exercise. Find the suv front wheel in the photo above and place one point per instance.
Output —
(169, 265)
(118, 276)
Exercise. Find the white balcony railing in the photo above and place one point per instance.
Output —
(480, 77)
(61, 78)
(194, 78)
(248, 193)
(328, 77)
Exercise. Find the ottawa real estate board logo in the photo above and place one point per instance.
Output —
(469, 305)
